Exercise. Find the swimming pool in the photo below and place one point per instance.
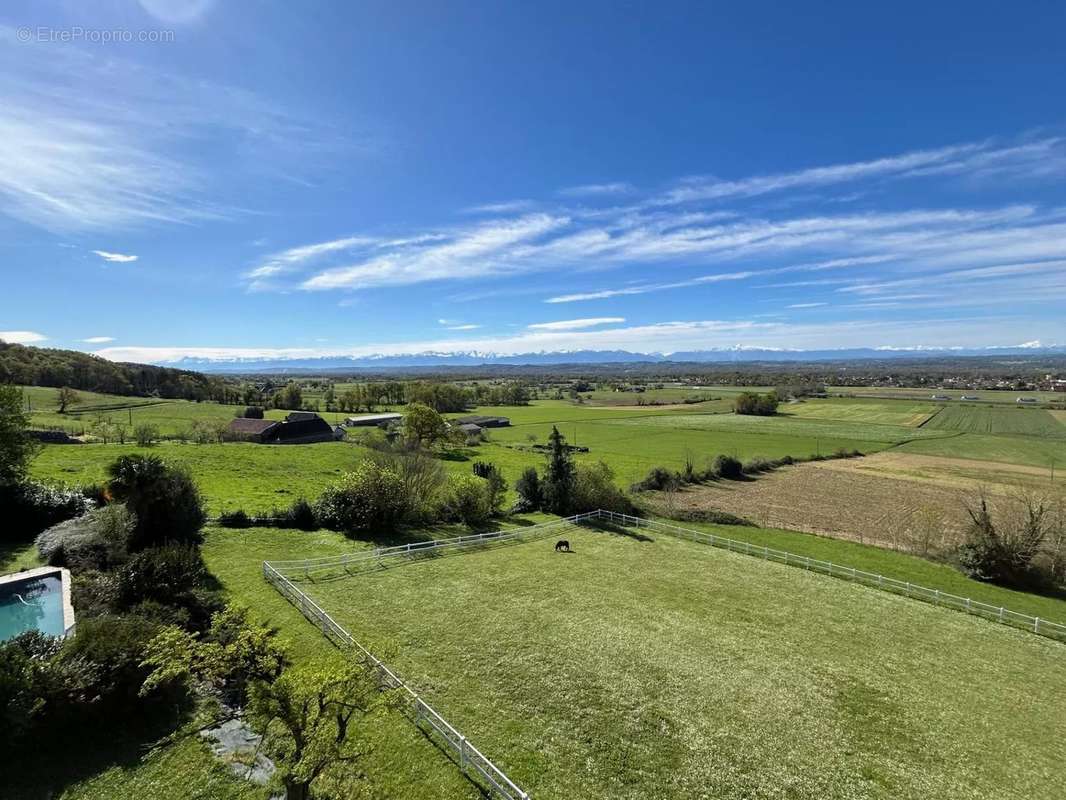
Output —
(38, 599)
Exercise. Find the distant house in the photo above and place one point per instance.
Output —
(1026, 400)
(940, 397)
(470, 429)
(372, 419)
(299, 427)
(970, 397)
(484, 421)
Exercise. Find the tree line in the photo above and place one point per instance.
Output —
(38, 366)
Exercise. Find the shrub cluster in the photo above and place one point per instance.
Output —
(710, 515)
(129, 582)
(1020, 544)
(723, 467)
(30, 507)
(753, 404)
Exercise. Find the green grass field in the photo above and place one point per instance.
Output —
(662, 668)
(231, 475)
(1028, 450)
(997, 396)
(881, 412)
(171, 417)
(997, 420)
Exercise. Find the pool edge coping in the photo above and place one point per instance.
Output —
(64, 582)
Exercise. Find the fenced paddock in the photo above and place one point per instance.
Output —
(654, 668)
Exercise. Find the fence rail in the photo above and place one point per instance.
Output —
(470, 758)
(280, 574)
(1001, 614)
(354, 563)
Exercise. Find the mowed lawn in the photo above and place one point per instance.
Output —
(660, 668)
(1002, 420)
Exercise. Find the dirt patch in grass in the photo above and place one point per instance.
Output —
(898, 500)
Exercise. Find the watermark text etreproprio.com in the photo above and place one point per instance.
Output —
(76, 33)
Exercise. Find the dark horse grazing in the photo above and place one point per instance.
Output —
(562, 544)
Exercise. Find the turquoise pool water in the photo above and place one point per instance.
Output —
(34, 603)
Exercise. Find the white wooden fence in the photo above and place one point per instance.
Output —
(1032, 624)
(284, 574)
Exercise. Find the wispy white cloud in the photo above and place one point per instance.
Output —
(806, 305)
(598, 189)
(688, 245)
(457, 325)
(22, 337)
(483, 250)
(973, 158)
(295, 257)
(117, 258)
(575, 324)
(99, 339)
(504, 207)
(92, 141)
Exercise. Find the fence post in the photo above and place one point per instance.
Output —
(462, 753)
(1036, 625)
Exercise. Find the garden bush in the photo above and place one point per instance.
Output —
(107, 653)
(594, 488)
(370, 496)
(96, 540)
(467, 500)
(530, 495)
(30, 507)
(728, 467)
(165, 574)
(234, 519)
(300, 515)
(165, 500)
(658, 479)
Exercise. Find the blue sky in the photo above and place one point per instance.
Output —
(265, 179)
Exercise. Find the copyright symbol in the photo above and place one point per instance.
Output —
(24, 34)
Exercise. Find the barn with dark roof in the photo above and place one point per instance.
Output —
(299, 427)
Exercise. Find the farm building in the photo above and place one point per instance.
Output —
(251, 430)
(470, 429)
(372, 419)
(939, 397)
(299, 427)
(484, 421)
(970, 397)
(1026, 400)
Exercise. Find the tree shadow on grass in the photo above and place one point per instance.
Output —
(53, 760)
(620, 530)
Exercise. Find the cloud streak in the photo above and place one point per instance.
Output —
(115, 258)
(575, 324)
